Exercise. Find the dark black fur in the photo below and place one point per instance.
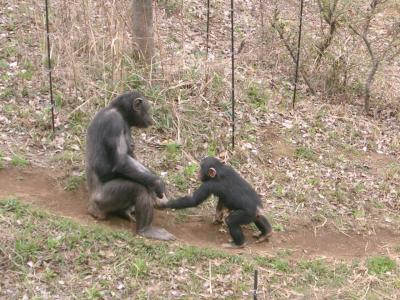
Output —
(116, 180)
(233, 192)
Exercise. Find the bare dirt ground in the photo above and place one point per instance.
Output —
(40, 188)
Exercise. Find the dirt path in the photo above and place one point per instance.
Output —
(41, 189)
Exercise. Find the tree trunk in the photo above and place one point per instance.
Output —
(142, 23)
(368, 83)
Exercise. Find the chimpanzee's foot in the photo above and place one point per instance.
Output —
(232, 245)
(95, 212)
(261, 238)
(217, 221)
(218, 217)
(156, 233)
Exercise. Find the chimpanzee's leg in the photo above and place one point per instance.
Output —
(265, 228)
(219, 213)
(234, 221)
(115, 196)
(144, 209)
(119, 196)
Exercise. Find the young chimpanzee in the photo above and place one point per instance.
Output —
(234, 193)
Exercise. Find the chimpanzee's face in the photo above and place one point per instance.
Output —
(141, 111)
(207, 165)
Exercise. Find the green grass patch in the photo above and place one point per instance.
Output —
(258, 95)
(278, 264)
(10, 49)
(358, 213)
(139, 268)
(58, 100)
(190, 170)
(18, 160)
(7, 93)
(1, 160)
(26, 74)
(393, 171)
(180, 182)
(68, 157)
(313, 181)
(217, 83)
(9, 109)
(212, 149)
(279, 191)
(74, 182)
(3, 64)
(135, 82)
(173, 151)
(380, 264)
(306, 153)
(26, 249)
(78, 122)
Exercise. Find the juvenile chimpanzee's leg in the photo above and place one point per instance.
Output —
(234, 221)
(265, 228)
(144, 209)
(219, 213)
(129, 214)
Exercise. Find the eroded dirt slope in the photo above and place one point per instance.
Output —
(40, 188)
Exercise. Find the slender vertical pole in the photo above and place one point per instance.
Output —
(49, 65)
(296, 76)
(255, 284)
(233, 77)
(208, 27)
(207, 46)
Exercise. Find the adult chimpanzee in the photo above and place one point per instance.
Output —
(117, 182)
(234, 193)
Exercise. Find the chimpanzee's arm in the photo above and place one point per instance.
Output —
(199, 196)
(133, 169)
(126, 165)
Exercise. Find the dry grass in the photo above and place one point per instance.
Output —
(92, 51)
(92, 57)
(326, 164)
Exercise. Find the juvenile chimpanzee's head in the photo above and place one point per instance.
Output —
(135, 109)
(210, 168)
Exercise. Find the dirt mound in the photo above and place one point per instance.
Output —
(41, 188)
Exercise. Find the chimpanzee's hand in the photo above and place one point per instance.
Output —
(161, 203)
(159, 188)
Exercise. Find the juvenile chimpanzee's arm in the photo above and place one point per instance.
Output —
(199, 196)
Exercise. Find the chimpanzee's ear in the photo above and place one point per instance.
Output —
(137, 103)
(212, 172)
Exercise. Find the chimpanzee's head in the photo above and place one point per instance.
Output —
(210, 168)
(135, 109)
